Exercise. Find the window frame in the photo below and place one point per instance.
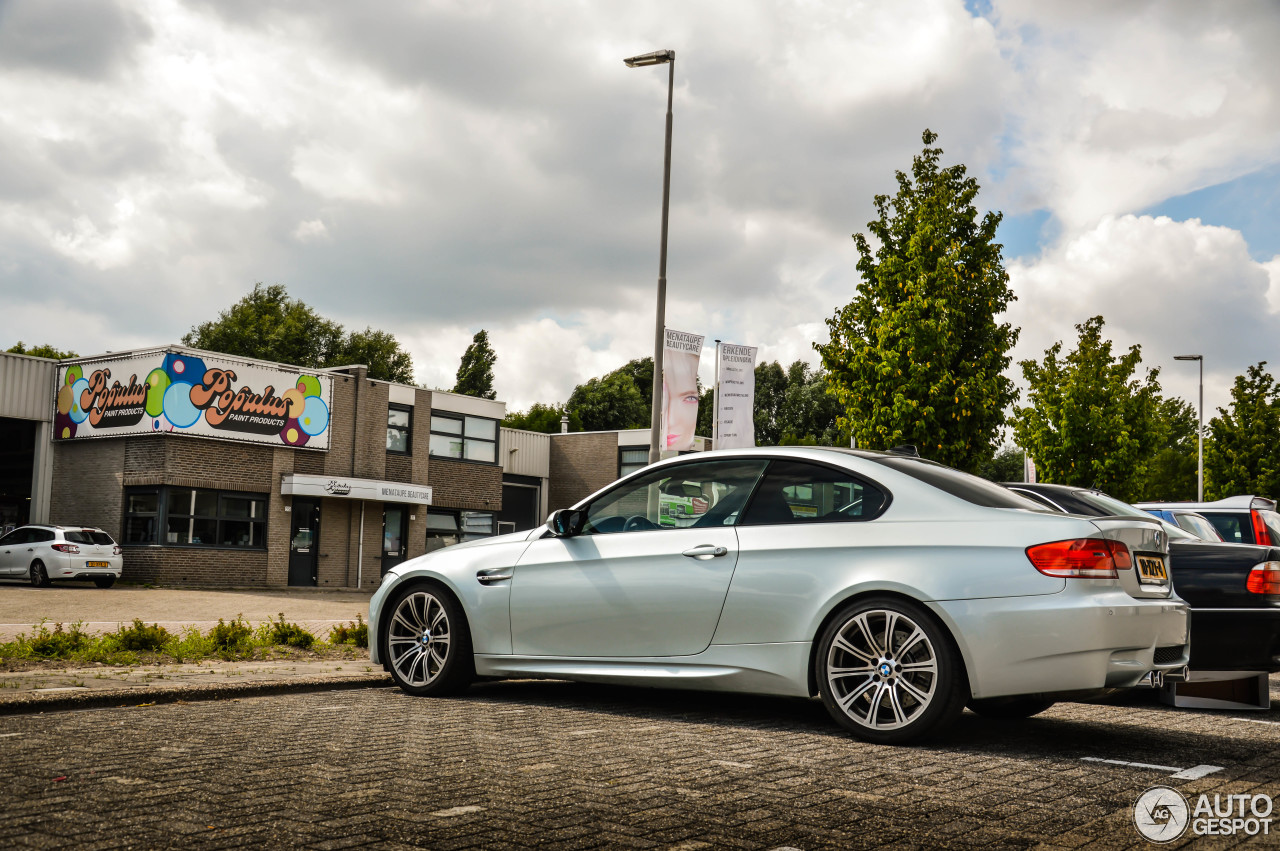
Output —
(406, 431)
(462, 436)
(635, 468)
(851, 475)
(672, 471)
(165, 509)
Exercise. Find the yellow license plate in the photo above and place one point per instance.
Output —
(1151, 569)
(96, 564)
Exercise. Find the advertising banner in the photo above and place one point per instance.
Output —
(178, 392)
(735, 396)
(680, 389)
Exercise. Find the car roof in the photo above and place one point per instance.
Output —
(1231, 503)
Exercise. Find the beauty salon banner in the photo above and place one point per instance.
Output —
(735, 396)
(192, 393)
(680, 389)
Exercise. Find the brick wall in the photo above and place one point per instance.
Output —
(196, 566)
(465, 484)
(87, 484)
(581, 464)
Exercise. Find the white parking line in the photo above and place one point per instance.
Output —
(1194, 773)
(1258, 721)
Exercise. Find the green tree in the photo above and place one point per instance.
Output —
(41, 351)
(917, 356)
(1006, 465)
(611, 402)
(809, 414)
(377, 350)
(1090, 422)
(640, 371)
(1243, 456)
(269, 325)
(475, 372)
(771, 393)
(543, 418)
(1171, 470)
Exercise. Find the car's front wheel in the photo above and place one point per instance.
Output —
(427, 641)
(888, 672)
(39, 576)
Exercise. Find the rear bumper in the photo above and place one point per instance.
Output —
(77, 567)
(1235, 640)
(1089, 636)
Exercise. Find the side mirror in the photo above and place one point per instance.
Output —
(567, 522)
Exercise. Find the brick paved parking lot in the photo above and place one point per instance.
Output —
(529, 764)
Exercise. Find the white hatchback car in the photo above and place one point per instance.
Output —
(41, 553)
(895, 588)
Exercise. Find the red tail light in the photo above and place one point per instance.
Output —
(1082, 558)
(1265, 578)
(1260, 532)
(66, 548)
(115, 551)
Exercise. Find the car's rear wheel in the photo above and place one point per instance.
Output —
(39, 576)
(427, 641)
(888, 672)
(104, 581)
(1010, 708)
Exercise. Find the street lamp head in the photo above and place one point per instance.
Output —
(1188, 357)
(658, 57)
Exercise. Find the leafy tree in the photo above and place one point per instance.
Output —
(543, 418)
(1089, 421)
(1171, 470)
(269, 325)
(41, 351)
(640, 371)
(809, 413)
(1006, 465)
(611, 402)
(917, 356)
(377, 350)
(771, 393)
(1244, 455)
(475, 373)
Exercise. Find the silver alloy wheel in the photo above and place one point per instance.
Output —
(882, 670)
(418, 638)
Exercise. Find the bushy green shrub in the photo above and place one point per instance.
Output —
(58, 644)
(351, 633)
(280, 632)
(140, 637)
(231, 639)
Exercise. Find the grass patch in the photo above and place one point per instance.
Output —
(356, 634)
(290, 634)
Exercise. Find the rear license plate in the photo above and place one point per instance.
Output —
(96, 564)
(1151, 569)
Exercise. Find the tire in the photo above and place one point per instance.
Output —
(893, 691)
(39, 576)
(1010, 708)
(427, 641)
(104, 581)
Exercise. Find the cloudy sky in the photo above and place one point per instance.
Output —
(433, 168)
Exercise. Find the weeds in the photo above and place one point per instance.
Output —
(141, 637)
(356, 634)
(280, 632)
(232, 640)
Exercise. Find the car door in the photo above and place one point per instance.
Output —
(10, 561)
(648, 573)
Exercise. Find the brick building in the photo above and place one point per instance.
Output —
(213, 470)
(582, 462)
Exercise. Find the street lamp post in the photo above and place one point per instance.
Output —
(660, 57)
(1199, 431)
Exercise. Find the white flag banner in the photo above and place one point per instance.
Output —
(680, 389)
(735, 397)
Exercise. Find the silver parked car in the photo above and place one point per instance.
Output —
(897, 589)
(41, 553)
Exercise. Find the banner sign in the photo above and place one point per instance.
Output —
(735, 396)
(348, 488)
(680, 389)
(179, 392)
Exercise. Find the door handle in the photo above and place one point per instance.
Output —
(705, 552)
(487, 577)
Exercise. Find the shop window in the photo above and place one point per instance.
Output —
(399, 429)
(463, 437)
(195, 517)
(632, 458)
(446, 528)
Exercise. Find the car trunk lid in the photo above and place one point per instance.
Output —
(1148, 546)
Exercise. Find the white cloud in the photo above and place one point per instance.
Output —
(310, 231)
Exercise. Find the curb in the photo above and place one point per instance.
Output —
(28, 703)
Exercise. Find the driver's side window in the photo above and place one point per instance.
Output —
(701, 494)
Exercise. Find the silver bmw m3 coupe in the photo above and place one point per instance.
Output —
(896, 589)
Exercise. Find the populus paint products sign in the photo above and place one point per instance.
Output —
(735, 397)
(680, 355)
(178, 392)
